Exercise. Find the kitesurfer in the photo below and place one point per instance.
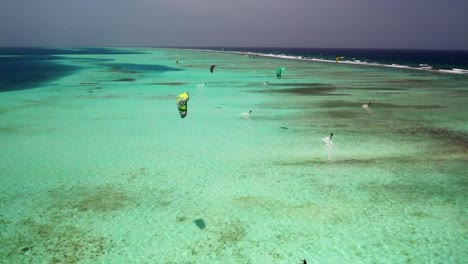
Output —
(246, 115)
(328, 140)
(366, 106)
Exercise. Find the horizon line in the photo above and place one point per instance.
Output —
(233, 47)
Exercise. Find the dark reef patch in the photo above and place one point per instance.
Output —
(232, 234)
(350, 162)
(375, 88)
(119, 70)
(170, 83)
(339, 104)
(125, 80)
(305, 89)
(136, 68)
(112, 96)
(34, 240)
(387, 105)
(377, 161)
(181, 219)
(22, 129)
(411, 192)
(102, 199)
(457, 93)
(457, 140)
(342, 114)
(409, 81)
(389, 93)
(390, 162)
(305, 85)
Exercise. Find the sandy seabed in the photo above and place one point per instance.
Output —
(98, 166)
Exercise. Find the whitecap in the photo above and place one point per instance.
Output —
(422, 66)
(455, 70)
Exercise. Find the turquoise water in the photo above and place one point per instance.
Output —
(98, 167)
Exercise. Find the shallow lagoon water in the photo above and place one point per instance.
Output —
(98, 167)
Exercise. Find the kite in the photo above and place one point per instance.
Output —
(339, 58)
(279, 71)
(182, 103)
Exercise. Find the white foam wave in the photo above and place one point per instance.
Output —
(455, 70)
(422, 67)
(425, 67)
(397, 66)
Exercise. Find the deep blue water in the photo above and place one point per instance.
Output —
(27, 68)
(64, 51)
(18, 73)
(437, 59)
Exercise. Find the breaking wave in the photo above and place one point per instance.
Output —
(353, 61)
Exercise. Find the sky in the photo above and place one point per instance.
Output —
(397, 24)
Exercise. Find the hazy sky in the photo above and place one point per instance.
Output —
(428, 24)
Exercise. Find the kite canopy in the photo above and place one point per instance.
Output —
(339, 58)
(212, 68)
(182, 103)
(279, 71)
